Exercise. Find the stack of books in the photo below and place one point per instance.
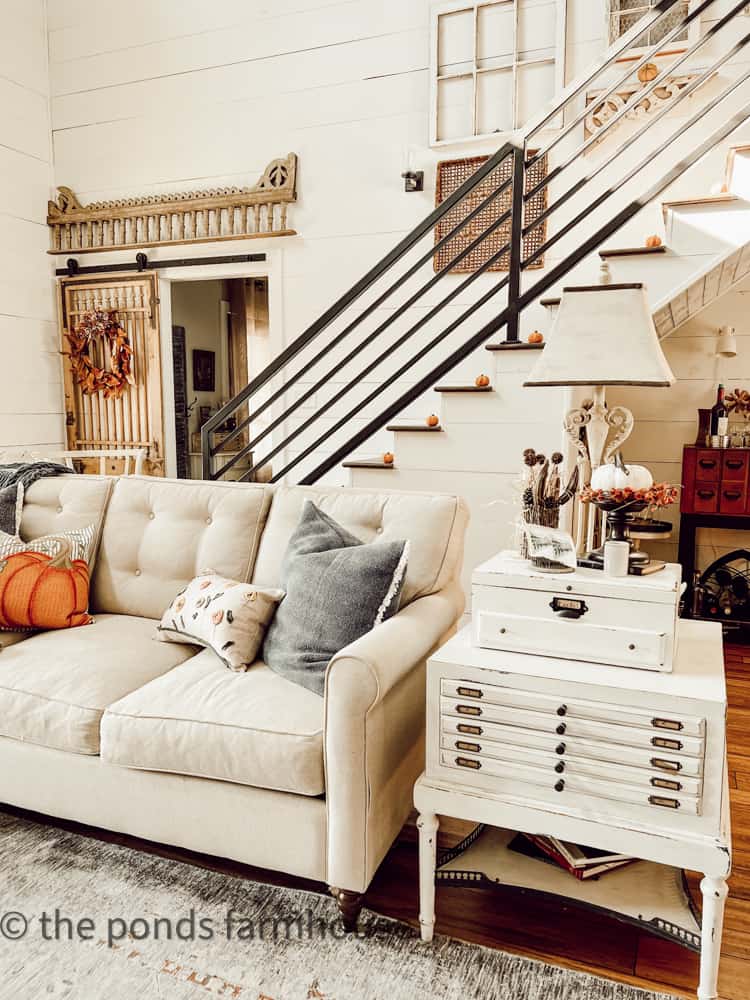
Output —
(582, 862)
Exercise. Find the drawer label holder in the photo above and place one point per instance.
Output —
(568, 607)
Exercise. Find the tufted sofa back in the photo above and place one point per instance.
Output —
(434, 524)
(157, 534)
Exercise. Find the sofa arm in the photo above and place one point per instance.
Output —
(374, 733)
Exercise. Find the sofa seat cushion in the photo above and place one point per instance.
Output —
(253, 728)
(54, 686)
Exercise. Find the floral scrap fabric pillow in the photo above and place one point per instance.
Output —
(223, 615)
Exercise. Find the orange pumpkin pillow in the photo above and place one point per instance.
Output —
(44, 584)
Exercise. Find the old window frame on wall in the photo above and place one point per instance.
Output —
(615, 13)
(474, 71)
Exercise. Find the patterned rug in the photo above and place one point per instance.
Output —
(85, 920)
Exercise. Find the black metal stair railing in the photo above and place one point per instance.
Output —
(506, 173)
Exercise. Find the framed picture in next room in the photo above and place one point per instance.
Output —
(204, 371)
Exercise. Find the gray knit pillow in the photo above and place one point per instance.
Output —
(337, 589)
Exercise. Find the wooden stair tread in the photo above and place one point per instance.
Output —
(514, 347)
(417, 428)
(725, 197)
(631, 251)
(554, 301)
(463, 388)
(367, 463)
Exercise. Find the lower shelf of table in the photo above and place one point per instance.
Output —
(654, 897)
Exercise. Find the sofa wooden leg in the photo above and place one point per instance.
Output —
(350, 904)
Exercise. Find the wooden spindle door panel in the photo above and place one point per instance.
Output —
(135, 420)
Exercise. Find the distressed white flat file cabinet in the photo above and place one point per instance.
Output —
(629, 621)
(625, 760)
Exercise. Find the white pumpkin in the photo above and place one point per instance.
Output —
(617, 476)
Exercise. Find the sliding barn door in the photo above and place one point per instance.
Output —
(135, 419)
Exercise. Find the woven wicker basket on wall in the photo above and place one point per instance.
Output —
(451, 174)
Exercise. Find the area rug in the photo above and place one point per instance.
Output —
(86, 920)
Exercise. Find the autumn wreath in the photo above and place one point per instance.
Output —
(111, 382)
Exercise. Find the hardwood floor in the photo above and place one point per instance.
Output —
(509, 919)
(546, 929)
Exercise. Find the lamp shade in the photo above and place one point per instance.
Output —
(602, 335)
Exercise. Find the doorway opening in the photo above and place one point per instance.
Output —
(220, 341)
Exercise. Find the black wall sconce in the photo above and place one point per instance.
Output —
(413, 180)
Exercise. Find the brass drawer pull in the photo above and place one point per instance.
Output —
(463, 727)
(672, 724)
(672, 786)
(465, 762)
(665, 744)
(468, 709)
(469, 747)
(660, 800)
(464, 692)
(666, 765)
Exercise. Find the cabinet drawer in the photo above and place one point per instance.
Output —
(566, 728)
(734, 466)
(492, 773)
(479, 731)
(706, 498)
(569, 766)
(565, 709)
(732, 498)
(708, 465)
(572, 638)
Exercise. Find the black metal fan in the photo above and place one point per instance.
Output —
(725, 587)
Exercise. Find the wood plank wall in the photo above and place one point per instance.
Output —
(667, 419)
(30, 373)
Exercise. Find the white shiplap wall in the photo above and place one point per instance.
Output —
(30, 379)
(667, 419)
(173, 95)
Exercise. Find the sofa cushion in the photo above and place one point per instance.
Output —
(159, 534)
(253, 728)
(434, 524)
(63, 503)
(55, 686)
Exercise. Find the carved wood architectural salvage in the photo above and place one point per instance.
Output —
(187, 217)
(602, 111)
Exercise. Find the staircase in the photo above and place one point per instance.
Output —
(408, 340)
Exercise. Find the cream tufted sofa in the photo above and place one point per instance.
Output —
(106, 726)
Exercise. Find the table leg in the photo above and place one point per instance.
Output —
(714, 897)
(427, 824)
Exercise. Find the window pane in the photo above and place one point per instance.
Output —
(495, 27)
(456, 42)
(495, 101)
(537, 26)
(535, 87)
(455, 109)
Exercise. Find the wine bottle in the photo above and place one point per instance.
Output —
(719, 415)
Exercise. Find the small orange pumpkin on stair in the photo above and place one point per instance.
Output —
(42, 591)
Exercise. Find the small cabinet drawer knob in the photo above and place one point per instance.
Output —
(560, 749)
(560, 766)
(559, 785)
(562, 710)
(631, 646)
(561, 729)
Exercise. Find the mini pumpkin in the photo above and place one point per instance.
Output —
(39, 591)
(618, 476)
(535, 337)
(481, 381)
(388, 458)
(433, 420)
(653, 241)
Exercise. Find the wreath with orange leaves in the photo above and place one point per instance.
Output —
(111, 382)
